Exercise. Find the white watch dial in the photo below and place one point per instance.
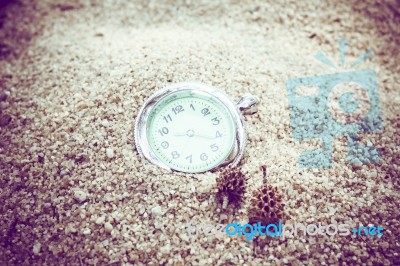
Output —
(191, 132)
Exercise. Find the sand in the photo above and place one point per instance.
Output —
(73, 189)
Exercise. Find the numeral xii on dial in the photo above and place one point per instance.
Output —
(178, 109)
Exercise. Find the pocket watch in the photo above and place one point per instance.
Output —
(193, 128)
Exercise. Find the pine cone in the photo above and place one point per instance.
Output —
(231, 187)
(266, 206)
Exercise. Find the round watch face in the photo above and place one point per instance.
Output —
(190, 131)
(192, 128)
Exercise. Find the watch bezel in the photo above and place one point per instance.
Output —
(140, 132)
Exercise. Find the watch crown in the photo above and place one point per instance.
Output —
(248, 104)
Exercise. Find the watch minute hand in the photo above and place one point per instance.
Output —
(205, 137)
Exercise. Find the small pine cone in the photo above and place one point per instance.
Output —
(266, 206)
(231, 187)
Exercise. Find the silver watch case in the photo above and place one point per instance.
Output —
(141, 141)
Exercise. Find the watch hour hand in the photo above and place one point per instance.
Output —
(180, 135)
(189, 133)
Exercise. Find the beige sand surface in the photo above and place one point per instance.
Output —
(73, 77)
